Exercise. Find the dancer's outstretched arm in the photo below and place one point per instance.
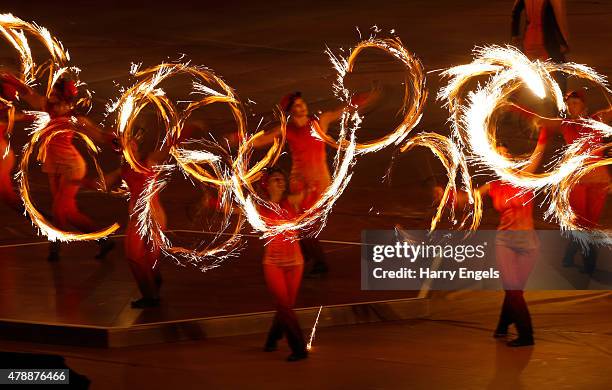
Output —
(361, 100)
(266, 138)
(94, 131)
(552, 124)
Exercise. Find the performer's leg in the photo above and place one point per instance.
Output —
(146, 284)
(525, 261)
(274, 334)
(570, 253)
(505, 259)
(54, 246)
(507, 263)
(278, 280)
(578, 203)
(293, 277)
(276, 284)
(596, 195)
(295, 337)
(65, 207)
(505, 318)
(141, 262)
(523, 319)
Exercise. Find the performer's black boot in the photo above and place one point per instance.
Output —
(570, 253)
(147, 285)
(106, 245)
(590, 260)
(295, 337)
(275, 334)
(54, 251)
(522, 320)
(505, 319)
(145, 302)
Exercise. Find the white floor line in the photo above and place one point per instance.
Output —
(33, 243)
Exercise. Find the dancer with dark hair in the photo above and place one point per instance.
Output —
(64, 164)
(309, 167)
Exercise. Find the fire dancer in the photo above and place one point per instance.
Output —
(283, 265)
(588, 197)
(64, 164)
(143, 258)
(516, 246)
(10, 89)
(309, 167)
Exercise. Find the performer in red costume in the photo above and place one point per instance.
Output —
(309, 167)
(10, 88)
(516, 246)
(588, 197)
(546, 33)
(283, 265)
(143, 258)
(64, 164)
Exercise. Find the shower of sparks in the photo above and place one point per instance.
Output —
(415, 93)
(46, 129)
(312, 220)
(16, 32)
(209, 163)
(314, 329)
(13, 31)
(454, 163)
(473, 123)
(474, 127)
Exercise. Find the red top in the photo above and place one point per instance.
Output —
(283, 249)
(515, 206)
(516, 215)
(307, 151)
(571, 131)
(61, 152)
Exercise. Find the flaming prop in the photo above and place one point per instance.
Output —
(474, 126)
(454, 163)
(209, 163)
(312, 220)
(16, 31)
(415, 93)
(45, 130)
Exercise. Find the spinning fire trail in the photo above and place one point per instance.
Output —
(472, 144)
